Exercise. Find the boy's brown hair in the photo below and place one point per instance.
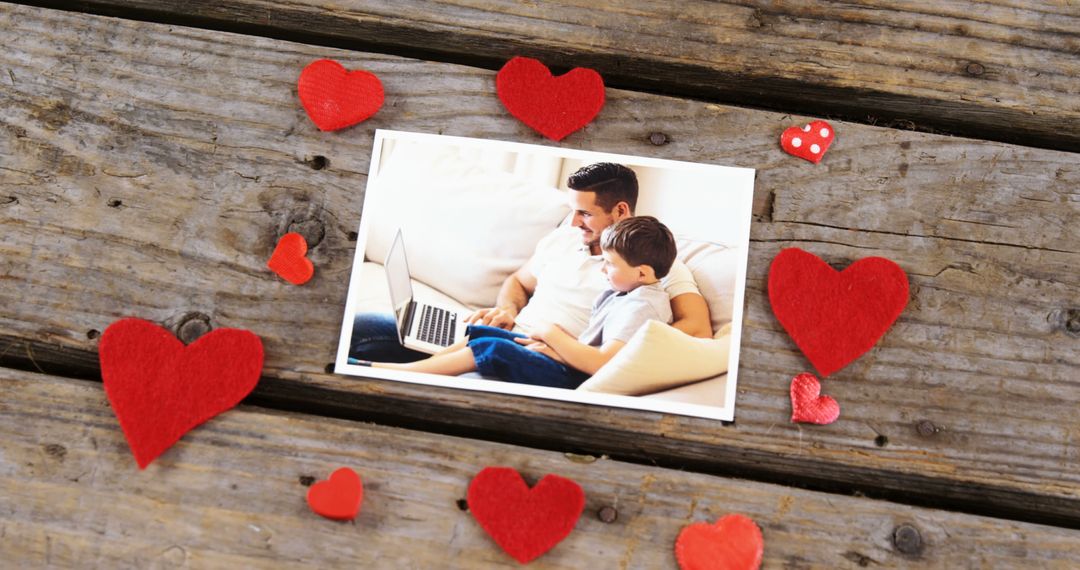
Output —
(641, 240)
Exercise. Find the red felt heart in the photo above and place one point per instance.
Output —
(524, 522)
(809, 141)
(732, 543)
(339, 497)
(554, 106)
(335, 97)
(835, 316)
(161, 389)
(807, 403)
(289, 261)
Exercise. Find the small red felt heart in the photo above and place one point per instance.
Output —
(289, 261)
(835, 316)
(161, 389)
(808, 142)
(807, 403)
(553, 106)
(335, 97)
(339, 497)
(524, 522)
(732, 543)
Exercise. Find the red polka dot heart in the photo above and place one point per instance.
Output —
(808, 142)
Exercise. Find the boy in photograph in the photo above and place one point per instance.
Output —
(637, 252)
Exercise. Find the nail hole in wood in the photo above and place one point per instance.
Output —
(330, 368)
(607, 514)
(318, 162)
(1071, 321)
(881, 441)
(658, 138)
(92, 334)
(908, 540)
(192, 326)
(307, 480)
(353, 236)
(114, 203)
(462, 504)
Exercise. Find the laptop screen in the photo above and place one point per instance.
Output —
(397, 276)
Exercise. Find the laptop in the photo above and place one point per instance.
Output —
(421, 326)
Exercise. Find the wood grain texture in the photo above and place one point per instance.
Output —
(150, 169)
(999, 70)
(231, 494)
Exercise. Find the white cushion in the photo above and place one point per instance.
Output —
(659, 357)
(714, 268)
(466, 223)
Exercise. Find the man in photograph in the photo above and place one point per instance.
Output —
(559, 283)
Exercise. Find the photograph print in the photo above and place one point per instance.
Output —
(549, 272)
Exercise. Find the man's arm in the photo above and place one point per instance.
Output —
(513, 295)
(583, 357)
(691, 315)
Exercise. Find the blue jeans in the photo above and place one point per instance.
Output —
(497, 355)
(375, 338)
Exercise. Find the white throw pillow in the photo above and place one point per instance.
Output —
(467, 223)
(714, 268)
(659, 357)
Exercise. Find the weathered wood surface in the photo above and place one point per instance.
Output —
(231, 494)
(149, 170)
(1001, 70)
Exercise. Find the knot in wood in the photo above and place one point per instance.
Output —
(926, 428)
(1071, 320)
(312, 230)
(192, 326)
(908, 540)
(607, 514)
(658, 138)
(975, 69)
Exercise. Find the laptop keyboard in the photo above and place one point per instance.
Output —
(437, 326)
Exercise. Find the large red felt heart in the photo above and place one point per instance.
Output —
(339, 497)
(809, 141)
(732, 543)
(161, 389)
(524, 522)
(554, 106)
(335, 97)
(807, 403)
(289, 261)
(835, 316)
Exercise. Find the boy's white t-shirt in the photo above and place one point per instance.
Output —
(568, 280)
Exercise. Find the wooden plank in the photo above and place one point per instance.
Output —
(1000, 70)
(152, 168)
(231, 493)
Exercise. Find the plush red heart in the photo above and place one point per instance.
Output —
(835, 316)
(524, 522)
(807, 403)
(553, 106)
(160, 389)
(335, 97)
(808, 142)
(339, 497)
(289, 261)
(732, 543)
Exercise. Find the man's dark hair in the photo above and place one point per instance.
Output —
(641, 240)
(612, 183)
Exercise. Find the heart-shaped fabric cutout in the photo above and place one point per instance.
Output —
(524, 522)
(160, 389)
(289, 259)
(807, 403)
(335, 97)
(835, 316)
(808, 142)
(553, 106)
(339, 497)
(732, 543)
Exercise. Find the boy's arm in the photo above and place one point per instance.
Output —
(583, 357)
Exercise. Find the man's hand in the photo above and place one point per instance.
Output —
(538, 346)
(497, 317)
